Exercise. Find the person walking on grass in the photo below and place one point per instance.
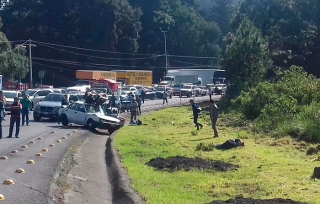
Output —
(25, 102)
(214, 113)
(15, 109)
(165, 97)
(133, 110)
(196, 110)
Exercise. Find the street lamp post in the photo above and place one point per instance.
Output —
(30, 59)
(165, 46)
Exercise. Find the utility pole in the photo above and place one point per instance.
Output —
(30, 59)
(165, 47)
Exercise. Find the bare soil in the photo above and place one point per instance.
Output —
(257, 201)
(184, 163)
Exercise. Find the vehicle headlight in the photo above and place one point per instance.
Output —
(102, 120)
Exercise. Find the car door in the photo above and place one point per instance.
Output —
(69, 111)
(80, 115)
(36, 99)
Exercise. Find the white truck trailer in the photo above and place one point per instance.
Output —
(205, 76)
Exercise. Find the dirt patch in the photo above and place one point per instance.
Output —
(313, 150)
(257, 201)
(187, 164)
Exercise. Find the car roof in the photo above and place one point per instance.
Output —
(10, 91)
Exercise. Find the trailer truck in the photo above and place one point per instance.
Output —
(205, 76)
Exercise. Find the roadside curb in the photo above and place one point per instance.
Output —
(122, 192)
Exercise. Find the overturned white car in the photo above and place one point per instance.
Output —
(90, 115)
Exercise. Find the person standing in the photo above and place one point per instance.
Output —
(133, 110)
(165, 97)
(25, 102)
(139, 104)
(15, 109)
(143, 95)
(65, 100)
(113, 100)
(214, 113)
(1, 117)
(4, 102)
(210, 93)
(196, 110)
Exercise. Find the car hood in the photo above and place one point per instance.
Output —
(10, 100)
(186, 89)
(50, 103)
(105, 117)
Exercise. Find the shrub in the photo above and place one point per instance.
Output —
(288, 106)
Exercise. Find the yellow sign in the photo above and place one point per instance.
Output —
(141, 78)
(108, 75)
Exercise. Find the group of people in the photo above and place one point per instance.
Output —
(214, 113)
(18, 108)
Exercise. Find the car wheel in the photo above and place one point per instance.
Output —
(90, 124)
(111, 130)
(170, 96)
(36, 118)
(153, 97)
(64, 120)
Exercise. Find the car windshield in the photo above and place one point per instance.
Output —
(30, 93)
(187, 87)
(160, 89)
(100, 90)
(54, 97)
(94, 109)
(126, 89)
(10, 94)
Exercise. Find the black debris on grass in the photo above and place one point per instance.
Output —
(187, 164)
(257, 201)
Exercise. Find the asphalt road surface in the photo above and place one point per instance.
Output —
(33, 185)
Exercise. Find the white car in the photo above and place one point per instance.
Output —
(10, 95)
(90, 115)
(78, 88)
(37, 95)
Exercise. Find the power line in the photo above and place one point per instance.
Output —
(195, 57)
(188, 63)
(156, 56)
(104, 65)
(52, 67)
(93, 50)
(123, 53)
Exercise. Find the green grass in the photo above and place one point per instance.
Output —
(269, 168)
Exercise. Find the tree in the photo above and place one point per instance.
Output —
(13, 62)
(246, 58)
(111, 25)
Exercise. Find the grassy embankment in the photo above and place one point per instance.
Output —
(269, 168)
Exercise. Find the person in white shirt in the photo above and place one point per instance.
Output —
(165, 97)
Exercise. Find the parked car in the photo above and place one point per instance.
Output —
(63, 91)
(149, 94)
(36, 95)
(200, 91)
(221, 88)
(187, 90)
(10, 95)
(49, 106)
(176, 89)
(90, 115)
(160, 90)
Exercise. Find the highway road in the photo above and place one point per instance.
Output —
(33, 185)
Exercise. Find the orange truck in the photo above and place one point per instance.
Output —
(134, 77)
(95, 75)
